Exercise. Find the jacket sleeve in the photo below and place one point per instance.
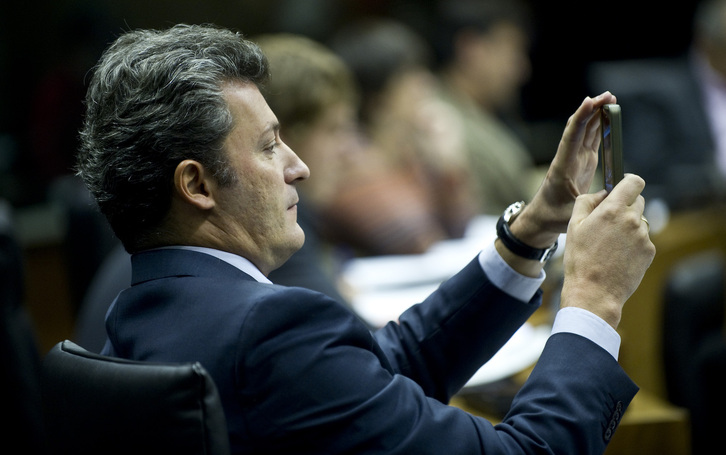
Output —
(573, 400)
(443, 341)
(312, 379)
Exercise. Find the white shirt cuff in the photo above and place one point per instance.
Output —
(570, 319)
(585, 323)
(506, 278)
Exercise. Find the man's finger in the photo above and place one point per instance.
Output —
(628, 189)
(582, 120)
(585, 204)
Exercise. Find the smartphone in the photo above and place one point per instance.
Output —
(611, 128)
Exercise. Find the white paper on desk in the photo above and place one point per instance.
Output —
(385, 286)
(380, 307)
(440, 262)
(520, 352)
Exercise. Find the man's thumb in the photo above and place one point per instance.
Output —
(585, 204)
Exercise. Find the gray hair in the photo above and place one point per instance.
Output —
(154, 100)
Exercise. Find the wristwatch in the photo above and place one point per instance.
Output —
(515, 245)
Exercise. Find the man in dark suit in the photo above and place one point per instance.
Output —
(184, 157)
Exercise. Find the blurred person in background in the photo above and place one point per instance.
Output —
(483, 62)
(674, 115)
(315, 99)
(404, 122)
(359, 204)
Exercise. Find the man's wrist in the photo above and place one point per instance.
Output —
(517, 243)
(509, 280)
(532, 232)
(587, 324)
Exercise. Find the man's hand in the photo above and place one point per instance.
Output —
(608, 250)
(570, 174)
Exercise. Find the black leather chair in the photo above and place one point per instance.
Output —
(694, 345)
(94, 404)
(19, 352)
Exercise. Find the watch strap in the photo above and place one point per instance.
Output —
(520, 248)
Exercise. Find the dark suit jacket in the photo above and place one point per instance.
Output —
(299, 373)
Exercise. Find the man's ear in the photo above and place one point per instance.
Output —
(194, 184)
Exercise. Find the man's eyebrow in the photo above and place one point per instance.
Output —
(272, 127)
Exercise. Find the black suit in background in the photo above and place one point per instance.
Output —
(667, 138)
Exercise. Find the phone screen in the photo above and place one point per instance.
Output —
(612, 150)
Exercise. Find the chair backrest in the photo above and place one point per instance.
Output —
(98, 404)
(693, 312)
(694, 344)
(19, 353)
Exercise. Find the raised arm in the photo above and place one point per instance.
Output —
(570, 174)
(608, 248)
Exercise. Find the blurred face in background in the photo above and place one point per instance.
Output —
(713, 42)
(499, 61)
(327, 144)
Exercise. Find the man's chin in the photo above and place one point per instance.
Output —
(300, 237)
(293, 246)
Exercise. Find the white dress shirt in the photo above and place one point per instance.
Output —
(570, 319)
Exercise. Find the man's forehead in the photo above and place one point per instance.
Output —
(241, 94)
(249, 108)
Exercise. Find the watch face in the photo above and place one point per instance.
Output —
(515, 245)
(512, 211)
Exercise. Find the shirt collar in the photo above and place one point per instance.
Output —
(245, 265)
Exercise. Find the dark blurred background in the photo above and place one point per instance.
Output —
(47, 46)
